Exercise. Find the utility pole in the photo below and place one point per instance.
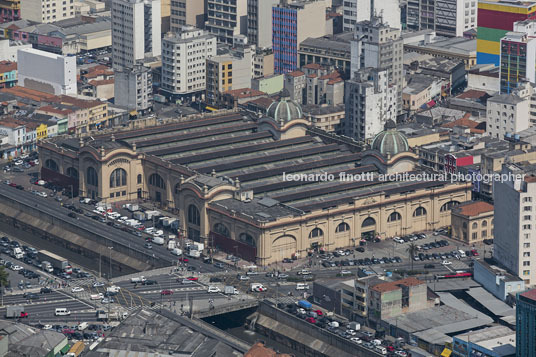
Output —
(100, 264)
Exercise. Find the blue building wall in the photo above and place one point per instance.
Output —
(496, 284)
(285, 39)
(525, 326)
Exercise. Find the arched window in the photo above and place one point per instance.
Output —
(157, 181)
(91, 176)
(393, 217)
(139, 179)
(448, 206)
(342, 227)
(72, 172)
(475, 225)
(419, 212)
(315, 233)
(118, 178)
(51, 165)
(247, 238)
(484, 223)
(193, 215)
(221, 229)
(369, 221)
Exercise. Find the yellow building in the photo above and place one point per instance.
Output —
(243, 185)
(472, 222)
(41, 131)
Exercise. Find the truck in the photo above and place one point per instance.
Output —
(192, 253)
(305, 304)
(15, 312)
(150, 214)
(176, 251)
(132, 207)
(55, 260)
(18, 253)
(230, 290)
(139, 215)
(172, 244)
(76, 350)
(158, 240)
(101, 315)
(356, 326)
(198, 246)
(139, 279)
(46, 266)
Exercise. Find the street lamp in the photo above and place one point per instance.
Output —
(110, 275)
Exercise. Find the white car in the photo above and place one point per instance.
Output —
(47, 327)
(77, 289)
(351, 332)
(18, 162)
(16, 267)
(213, 289)
(356, 340)
(446, 262)
(97, 284)
(42, 194)
(346, 272)
(398, 240)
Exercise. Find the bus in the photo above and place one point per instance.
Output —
(76, 349)
(455, 275)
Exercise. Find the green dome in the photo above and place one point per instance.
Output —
(285, 109)
(390, 141)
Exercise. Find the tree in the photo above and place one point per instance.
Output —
(412, 251)
(4, 275)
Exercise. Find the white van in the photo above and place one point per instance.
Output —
(381, 350)
(302, 286)
(61, 311)
(82, 326)
(461, 253)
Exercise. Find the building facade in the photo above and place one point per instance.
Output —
(518, 54)
(370, 102)
(507, 114)
(355, 11)
(378, 45)
(526, 324)
(136, 28)
(514, 235)
(266, 226)
(226, 19)
(326, 51)
(260, 22)
(472, 222)
(291, 24)
(184, 56)
(47, 72)
(498, 281)
(187, 12)
(495, 19)
(9, 10)
(447, 17)
(8, 74)
(44, 11)
(133, 89)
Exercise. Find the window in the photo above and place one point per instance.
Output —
(527, 208)
(342, 227)
(419, 212)
(526, 272)
(464, 224)
(474, 236)
(484, 223)
(247, 238)
(316, 233)
(72, 172)
(475, 225)
(222, 230)
(139, 180)
(118, 178)
(157, 181)
(51, 165)
(393, 217)
(91, 176)
(193, 215)
(484, 234)
(527, 199)
(526, 263)
(526, 245)
(526, 254)
(527, 226)
(369, 221)
(448, 206)
(526, 218)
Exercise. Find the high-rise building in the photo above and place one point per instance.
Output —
(378, 45)
(227, 18)
(46, 11)
(446, 17)
(507, 114)
(260, 22)
(495, 19)
(515, 232)
(187, 12)
(9, 10)
(518, 56)
(370, 101)
(135, 31)
(355, 11)
(291, 24)
(133, 88)
(184, 56)
(526, 324)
